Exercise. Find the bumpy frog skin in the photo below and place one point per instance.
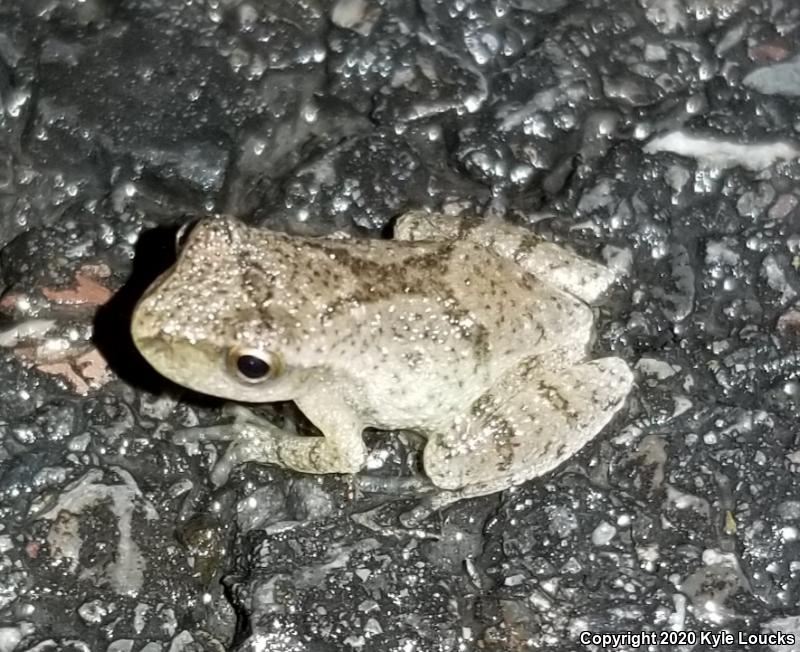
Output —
(472, 334)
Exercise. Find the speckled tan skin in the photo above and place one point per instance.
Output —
(473, 334)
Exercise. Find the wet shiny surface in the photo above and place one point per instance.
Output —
(657, 136)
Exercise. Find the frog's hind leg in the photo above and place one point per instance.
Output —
(560, 267)
(555, 264)
(528, 424)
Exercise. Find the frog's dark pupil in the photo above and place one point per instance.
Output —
(252, 367)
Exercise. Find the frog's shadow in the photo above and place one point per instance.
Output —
(154, 253)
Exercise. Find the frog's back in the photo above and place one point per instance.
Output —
(452, 299)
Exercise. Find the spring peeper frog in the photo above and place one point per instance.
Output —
(474, 334)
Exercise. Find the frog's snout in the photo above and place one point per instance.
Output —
(143, 327)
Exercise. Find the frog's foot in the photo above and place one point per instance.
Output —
(429, 505)
(222, 432)
(250, 441)
(255, 439)
(397, 487)
(414, 517)
(430, 498)
(530, 422)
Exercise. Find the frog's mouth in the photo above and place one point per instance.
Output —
(202, 367)
(187, 364)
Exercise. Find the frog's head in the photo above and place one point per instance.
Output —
(201, 323)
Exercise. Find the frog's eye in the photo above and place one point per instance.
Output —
(253, 365)
(182, 235)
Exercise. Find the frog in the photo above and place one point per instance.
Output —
(474, 333)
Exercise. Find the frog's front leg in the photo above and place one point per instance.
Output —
(532, 420)
(340, 449)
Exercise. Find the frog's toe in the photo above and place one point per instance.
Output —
(415, 516)
(200, 434)
(222, 471)
(242, 414)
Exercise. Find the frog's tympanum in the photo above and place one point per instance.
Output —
(473, 334)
